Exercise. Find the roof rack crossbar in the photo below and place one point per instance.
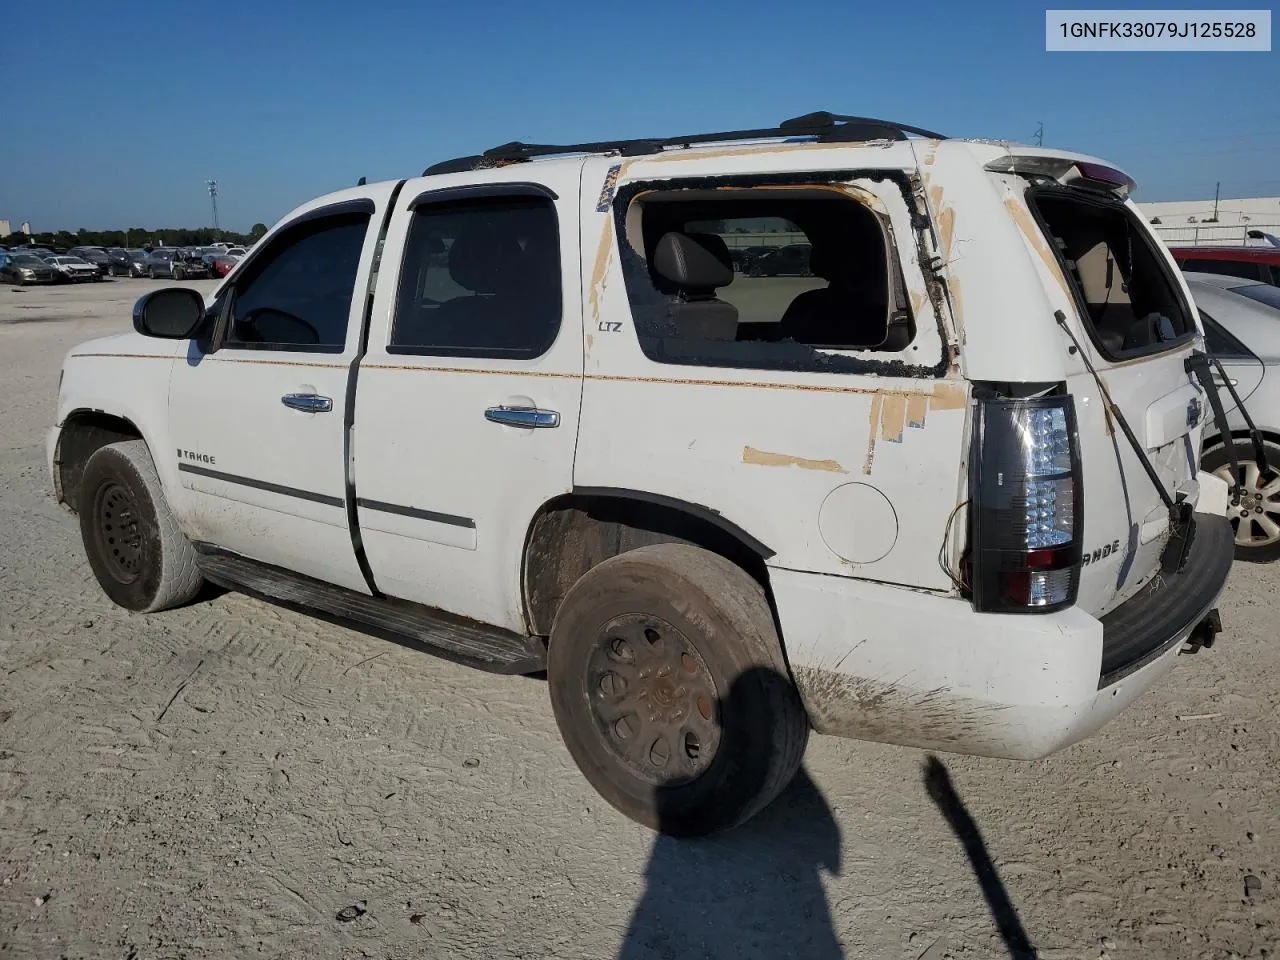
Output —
(826, 127)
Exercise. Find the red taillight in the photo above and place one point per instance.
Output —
(1025, 505)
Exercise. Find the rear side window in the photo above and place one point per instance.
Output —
(481, 278)
(1262, 293)
(796, 278)
(1227, 268)
(1124, 291)
(1220, 343)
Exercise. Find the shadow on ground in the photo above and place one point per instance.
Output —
(756, 891)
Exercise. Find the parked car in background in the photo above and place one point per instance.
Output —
(742, 256)
(73, 269)
(120, 263)
(1257, 263)
(137, 263)
(178, 263)
(1242, 329)
(24, 268)
(791, 260)
(1261, 238)
(222, 264)
(95, 255)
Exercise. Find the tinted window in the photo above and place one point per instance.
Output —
(1226, 268)
(1262, 293)
(298, 295)
(480, 278)
(1220, 343)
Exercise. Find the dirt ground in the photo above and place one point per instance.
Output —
(233, 779)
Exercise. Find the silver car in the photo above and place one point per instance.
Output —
(1242, 329)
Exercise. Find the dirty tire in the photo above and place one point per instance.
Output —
(703, 604)
(1263, 546)
(141, 559)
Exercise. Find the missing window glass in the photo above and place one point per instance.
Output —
(799, 276)
(1124, 291)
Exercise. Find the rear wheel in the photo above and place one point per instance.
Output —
(151, 273)
(670, 690)
(1256, 518)
(178, 273)
(141, 559)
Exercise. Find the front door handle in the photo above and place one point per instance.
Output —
(307, 402)
(528, 417)
(1222, 383)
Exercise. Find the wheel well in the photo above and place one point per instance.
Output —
(572, 534)
(84, 432)
(1270, 436)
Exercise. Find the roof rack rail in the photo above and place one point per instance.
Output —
(826, 127)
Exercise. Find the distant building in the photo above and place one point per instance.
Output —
(5, 229)
(26, 227)
(1192, 221)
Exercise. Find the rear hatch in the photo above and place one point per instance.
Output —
(1129, 314)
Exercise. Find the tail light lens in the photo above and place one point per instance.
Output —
(1025, 506)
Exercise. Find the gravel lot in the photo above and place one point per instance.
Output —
(227, 779)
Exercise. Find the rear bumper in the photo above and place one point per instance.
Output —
(1165, 611)
(883, 663)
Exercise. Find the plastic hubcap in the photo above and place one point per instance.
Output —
(119, 532)
(653, 699)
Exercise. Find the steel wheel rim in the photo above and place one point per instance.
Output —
(653, 700)
(118, 531)
(1256, 519)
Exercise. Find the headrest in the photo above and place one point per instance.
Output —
(480, 259)
(693, 261)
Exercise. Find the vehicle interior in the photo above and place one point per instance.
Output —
(1128, 298)
(838, 297)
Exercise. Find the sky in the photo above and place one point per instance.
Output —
(116, 116)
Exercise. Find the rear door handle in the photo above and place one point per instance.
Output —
(1222, 383)
(307, 402)
(528, 417)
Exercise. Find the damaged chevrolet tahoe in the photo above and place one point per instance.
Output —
(936, 487)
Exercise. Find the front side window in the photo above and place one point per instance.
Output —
(297, 296)
(802, 277)
(481, 278)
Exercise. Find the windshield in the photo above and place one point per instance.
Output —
(27, 260)
(1261, 292)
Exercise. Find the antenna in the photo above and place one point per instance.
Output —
(1040, 134)
(213, 199)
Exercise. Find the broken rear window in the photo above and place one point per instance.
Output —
(1124, 290)
(801, 277)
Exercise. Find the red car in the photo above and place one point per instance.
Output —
(1251, 263)
(221, 266)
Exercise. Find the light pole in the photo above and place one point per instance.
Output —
(213, 199)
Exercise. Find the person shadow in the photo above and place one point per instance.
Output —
(753, 891)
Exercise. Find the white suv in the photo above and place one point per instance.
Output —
(938, 488)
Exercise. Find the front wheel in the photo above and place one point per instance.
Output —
(151, 273)
(670, 690)
(178, 273)
(140, 557)
(1256, 518)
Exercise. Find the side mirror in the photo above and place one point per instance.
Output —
(173, 313)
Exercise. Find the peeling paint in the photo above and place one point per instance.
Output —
(603, 254)
(876, 404)
(763, 458)
(765, 148)
(892, 411)
(892, 417)
(1031, 230)
(917, 407)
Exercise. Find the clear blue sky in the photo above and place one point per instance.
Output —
(115, 114)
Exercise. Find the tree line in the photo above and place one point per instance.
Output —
(133, 238)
